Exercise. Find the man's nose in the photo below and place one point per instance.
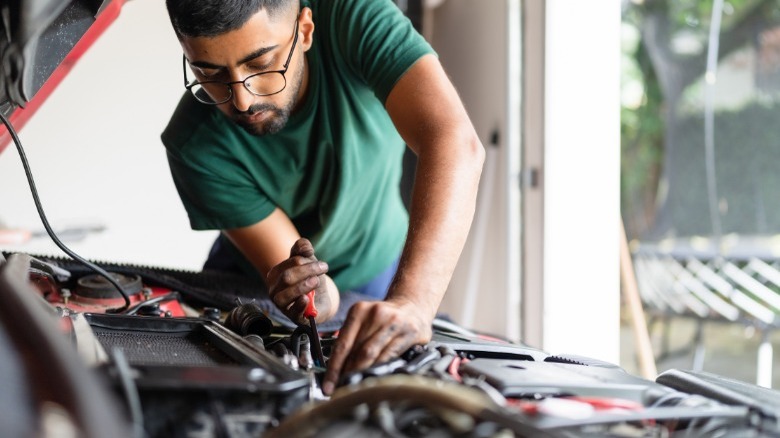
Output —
(242, 98)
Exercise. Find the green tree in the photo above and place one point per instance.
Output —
(668, 58)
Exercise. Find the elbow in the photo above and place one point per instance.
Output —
(474, 153)
(479, 153)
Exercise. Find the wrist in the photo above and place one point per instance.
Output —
(414, 304)
(417, 290)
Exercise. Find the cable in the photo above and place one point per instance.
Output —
(130, 392)
(710, 77)
(666, 398)
(454, 367)
(432, 394)
(45, 221)
(173, 296)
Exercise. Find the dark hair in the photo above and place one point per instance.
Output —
(206, 18)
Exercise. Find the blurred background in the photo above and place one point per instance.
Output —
(700, 155)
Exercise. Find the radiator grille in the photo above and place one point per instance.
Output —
(156, 348)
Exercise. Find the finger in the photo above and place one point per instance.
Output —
(365, 354)
(290, 263)
(283, 297)
(342, 347)
(302, 247)
(295, 311)
(294, 271)
(395, 348)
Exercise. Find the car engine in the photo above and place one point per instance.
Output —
(183, 360)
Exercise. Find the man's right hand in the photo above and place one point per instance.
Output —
(290, 281)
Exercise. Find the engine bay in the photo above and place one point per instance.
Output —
(188, 359)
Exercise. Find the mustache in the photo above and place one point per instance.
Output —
(256, 108)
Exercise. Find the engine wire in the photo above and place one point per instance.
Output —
(49, 231)
(130, 391)
(429, 393)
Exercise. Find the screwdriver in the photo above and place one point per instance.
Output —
(311, 313)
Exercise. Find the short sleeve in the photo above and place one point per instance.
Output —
(216, 199)
(377, 41)
(214, 185)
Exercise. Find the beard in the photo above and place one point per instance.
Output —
(277, 116)
(273, 123)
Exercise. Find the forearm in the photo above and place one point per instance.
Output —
(443, 201)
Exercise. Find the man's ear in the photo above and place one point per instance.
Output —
(306, 27)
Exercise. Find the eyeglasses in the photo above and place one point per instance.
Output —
(264, 83)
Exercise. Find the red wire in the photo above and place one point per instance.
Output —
(602, 403)
(453, 368)
(526, 407)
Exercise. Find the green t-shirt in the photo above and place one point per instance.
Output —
(335, 168)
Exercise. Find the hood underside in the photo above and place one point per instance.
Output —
(40, 40)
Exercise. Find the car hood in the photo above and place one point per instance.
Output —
(40, 41)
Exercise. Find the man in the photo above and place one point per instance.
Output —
(288, 132)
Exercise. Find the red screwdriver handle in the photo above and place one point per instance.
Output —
(311, 311)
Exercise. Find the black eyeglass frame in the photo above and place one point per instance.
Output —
(283, 71)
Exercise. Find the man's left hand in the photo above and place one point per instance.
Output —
(290, 281)
(375, 332)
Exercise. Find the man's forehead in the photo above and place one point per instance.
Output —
(258, 35)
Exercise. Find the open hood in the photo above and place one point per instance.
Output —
(40, 41)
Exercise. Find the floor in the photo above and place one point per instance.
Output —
(730, 349)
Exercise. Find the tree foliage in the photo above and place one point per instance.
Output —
(665, 61)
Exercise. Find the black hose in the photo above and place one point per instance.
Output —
(45, 221)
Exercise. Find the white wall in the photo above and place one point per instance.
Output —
(473, 42)
(96, 155)
(582, 178)
(578, 292)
